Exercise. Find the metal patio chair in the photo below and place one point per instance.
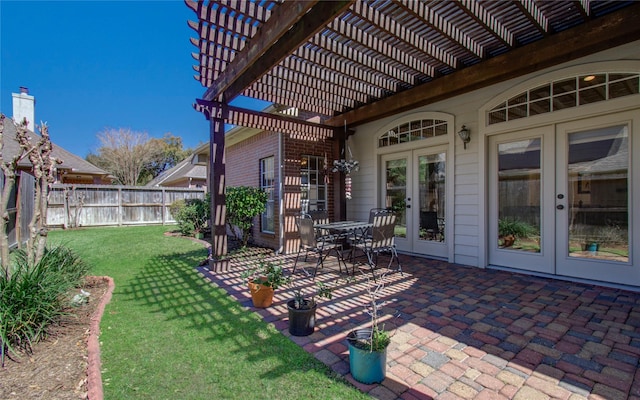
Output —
(382, 240)
(320, 244)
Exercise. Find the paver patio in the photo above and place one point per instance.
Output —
(469, 333)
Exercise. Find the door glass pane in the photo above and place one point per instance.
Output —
(519, 195)
(431, 177)
(396, 192)
(598, 184)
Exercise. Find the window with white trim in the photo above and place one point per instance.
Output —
(268, 184)
(411, 131)
(313, 188)
(565, 93)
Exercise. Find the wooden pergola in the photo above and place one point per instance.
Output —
(352, 62)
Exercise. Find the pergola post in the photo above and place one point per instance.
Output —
(217, 185)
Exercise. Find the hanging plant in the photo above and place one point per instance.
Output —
(346, 166)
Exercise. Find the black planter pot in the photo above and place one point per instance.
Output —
(302, 322)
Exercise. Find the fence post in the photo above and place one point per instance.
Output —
(164, 211)
(120, 206)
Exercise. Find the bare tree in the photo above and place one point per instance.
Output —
(126, 153)
(74, 201)
(43, 165)
(43, 168)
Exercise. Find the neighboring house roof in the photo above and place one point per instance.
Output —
(184, 170)
(70, 161)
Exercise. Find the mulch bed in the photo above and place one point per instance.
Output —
(57, 366)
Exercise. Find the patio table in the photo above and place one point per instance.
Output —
(353, 230)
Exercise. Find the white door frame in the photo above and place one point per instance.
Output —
(570, 115)
(599, 269)
(445, 141)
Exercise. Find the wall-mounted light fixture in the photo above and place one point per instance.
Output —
(465, 135)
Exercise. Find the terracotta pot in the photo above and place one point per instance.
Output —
(261, 295)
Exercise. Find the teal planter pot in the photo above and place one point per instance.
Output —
(366, 366)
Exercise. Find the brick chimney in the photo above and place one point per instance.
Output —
(24, 106)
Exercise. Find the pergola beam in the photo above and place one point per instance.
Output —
(278, 37)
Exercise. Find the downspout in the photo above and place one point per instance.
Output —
(280, 195)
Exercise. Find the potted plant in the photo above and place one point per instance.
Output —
(302, 310)
(263, 280)
(368, 346)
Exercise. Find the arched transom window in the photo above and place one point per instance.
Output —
(566, 93)
(411, 131)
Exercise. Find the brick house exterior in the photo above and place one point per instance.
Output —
(243, 169)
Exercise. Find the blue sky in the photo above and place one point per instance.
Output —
(93, 65)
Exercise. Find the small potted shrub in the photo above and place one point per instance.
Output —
(368, 346)
(302, 310)
(263, 280)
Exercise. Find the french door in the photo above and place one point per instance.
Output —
(414, 187)
(560, 199)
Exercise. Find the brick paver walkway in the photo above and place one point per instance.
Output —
(469, 333)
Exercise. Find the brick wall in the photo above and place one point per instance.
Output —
(293, 150)
(243, 169)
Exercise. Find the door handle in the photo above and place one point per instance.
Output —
(560, 207)
(408, 205)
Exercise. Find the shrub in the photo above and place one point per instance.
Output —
(512, 226)
(175, 207)
(34, 296)
(191, 214)
(244, 203)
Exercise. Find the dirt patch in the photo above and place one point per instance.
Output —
(57, 367)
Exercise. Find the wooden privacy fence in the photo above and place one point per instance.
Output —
(101, 205)
(21, 202)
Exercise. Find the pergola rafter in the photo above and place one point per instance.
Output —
(531, 11)
(375, 66)
(277, 37)
(488, 22)
(443, 27)
(391, 53)
(358, 71)
(401, 33)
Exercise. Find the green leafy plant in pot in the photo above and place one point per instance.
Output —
(368, 346)
(263, 280)
(302, 309)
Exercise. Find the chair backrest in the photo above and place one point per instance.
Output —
(383, 231)
(373, 212)
(429, 220)
(319, 216)
(306, 230)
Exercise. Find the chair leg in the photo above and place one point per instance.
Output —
(319, 264)
(394, 253)
(296, 262)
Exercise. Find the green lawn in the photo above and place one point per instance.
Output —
(168, 334)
